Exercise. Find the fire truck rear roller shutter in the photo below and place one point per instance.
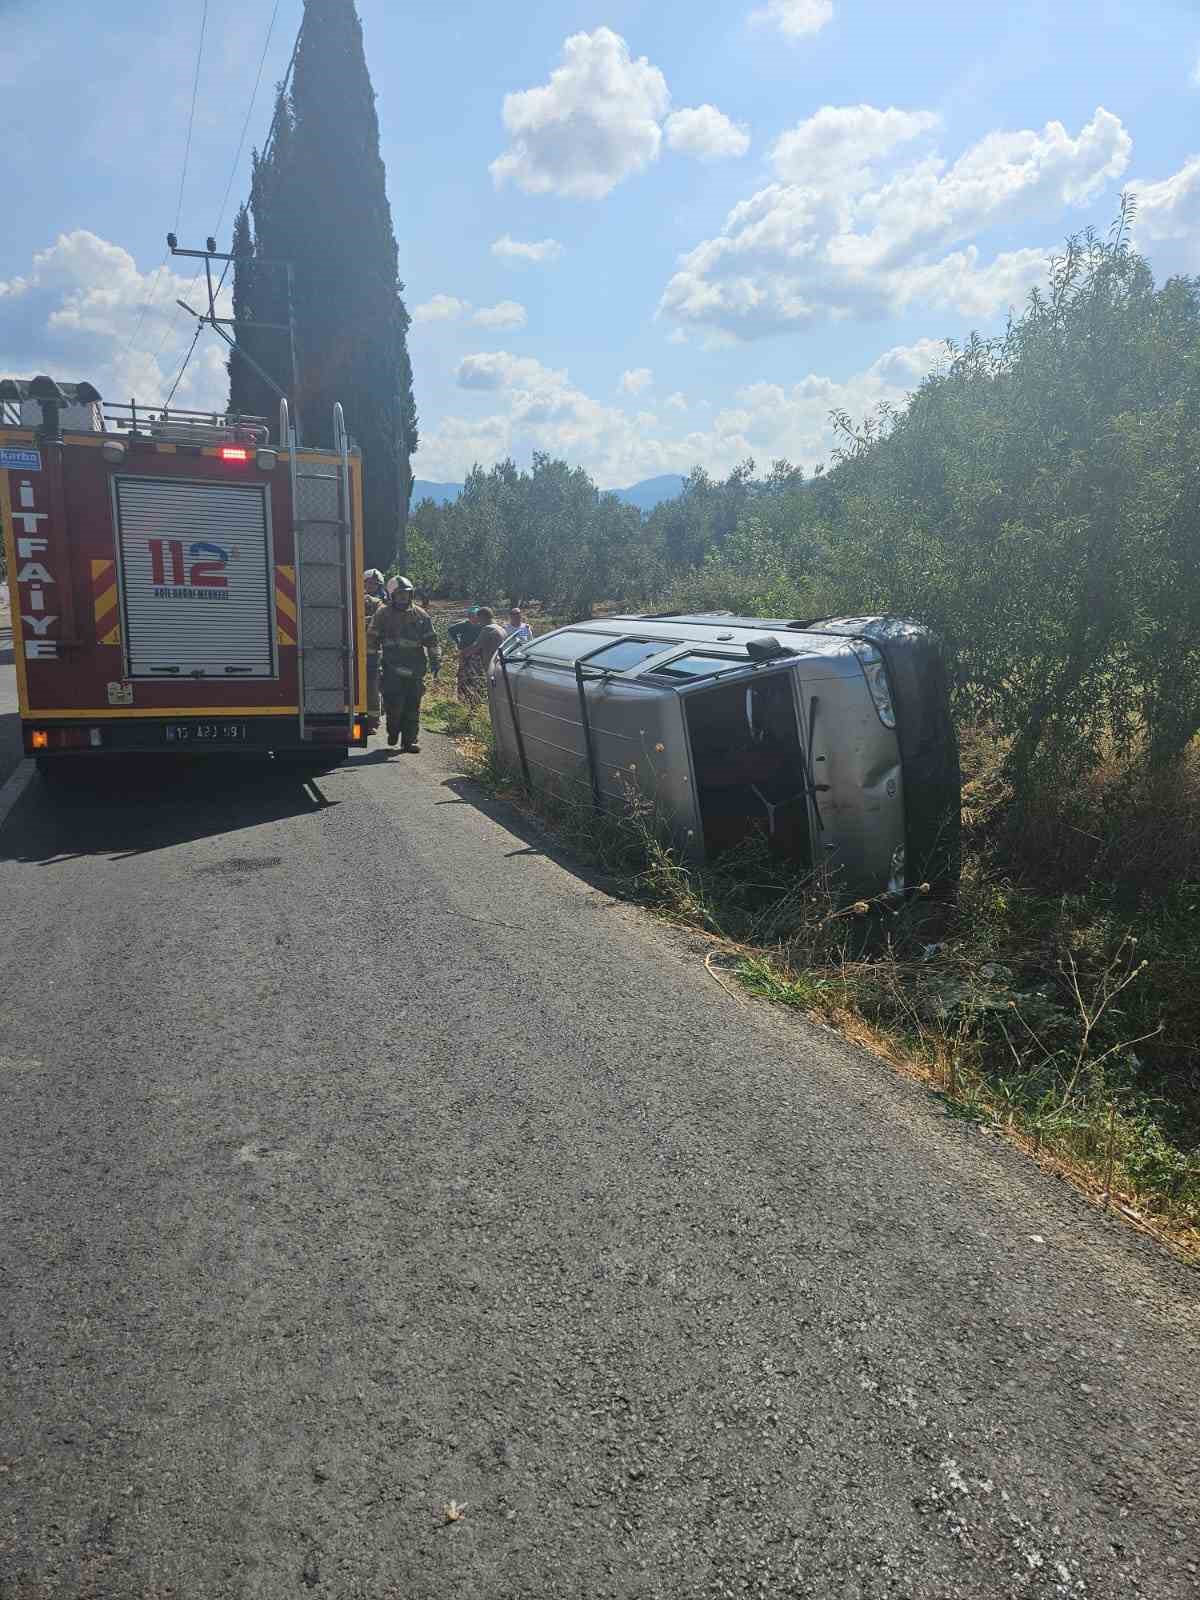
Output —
(220, 616)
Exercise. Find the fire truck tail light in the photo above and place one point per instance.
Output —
(234, 452)
(65, 738)
(265, 460)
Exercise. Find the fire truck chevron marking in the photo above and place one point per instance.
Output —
(285, 604)
(104, 594)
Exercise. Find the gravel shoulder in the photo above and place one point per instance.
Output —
(357, 1157)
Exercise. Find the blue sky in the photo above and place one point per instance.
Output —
(742, 214)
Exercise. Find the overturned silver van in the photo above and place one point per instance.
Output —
(833, 737)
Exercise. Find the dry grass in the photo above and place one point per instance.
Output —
(1063, 1013)
(1117, 824)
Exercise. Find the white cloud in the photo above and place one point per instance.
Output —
(1167, 221)
(594, 124)
(795, 19)
(542, 410)
(1195, 74)
(841, 240)
(677, 401)
(835, 144)
(635, 380)
(449, 451)
(448, 308)
(677, 336)
(441, 308)
(505, 314)
(706, 133)
(83, 310)
(536, 250)
(497, 369)
(961, 283)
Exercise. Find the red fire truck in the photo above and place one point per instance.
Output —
(179, 583)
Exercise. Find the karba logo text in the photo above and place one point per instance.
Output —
(195, 573)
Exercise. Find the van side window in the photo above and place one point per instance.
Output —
(697, 666)
(628, 653)
(566, 647)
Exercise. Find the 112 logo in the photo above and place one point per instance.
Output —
(205, 571)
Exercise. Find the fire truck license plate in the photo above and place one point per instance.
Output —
(205, 732)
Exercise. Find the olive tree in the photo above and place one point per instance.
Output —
(1036, 502)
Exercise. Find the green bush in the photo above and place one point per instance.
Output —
(1036, 502)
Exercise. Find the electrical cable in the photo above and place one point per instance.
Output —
(146, 303)
(283, 89)
(233, 171)
(262, 61)
(184, 367)
(187, 149)
(195, 339)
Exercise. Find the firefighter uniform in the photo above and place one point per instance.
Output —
(407, 639)
(371, 604)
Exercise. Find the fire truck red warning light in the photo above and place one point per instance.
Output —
(234, 452)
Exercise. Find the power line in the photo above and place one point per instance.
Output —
(184, 367)
(146, 303)
(187, 149)
(266, 151)
(283, 89)
(262, 61)
(195, 337)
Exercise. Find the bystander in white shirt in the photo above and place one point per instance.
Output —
(517, 627)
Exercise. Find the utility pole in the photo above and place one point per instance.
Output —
(219, 324)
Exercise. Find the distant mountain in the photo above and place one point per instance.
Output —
(441, 492)
(645, 495)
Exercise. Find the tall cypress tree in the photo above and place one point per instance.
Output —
(247, 391)
(319, 200)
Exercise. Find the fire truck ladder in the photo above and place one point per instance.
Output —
(324, 594)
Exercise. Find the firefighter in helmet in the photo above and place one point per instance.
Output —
(374, 596)
(406, 636)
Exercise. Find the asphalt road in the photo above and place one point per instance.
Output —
(357, 1158)
(10, 722)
